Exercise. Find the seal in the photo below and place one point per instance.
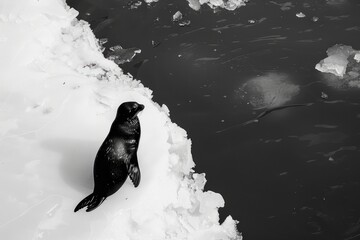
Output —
(117, 156)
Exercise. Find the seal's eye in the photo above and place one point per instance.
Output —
(134, 108)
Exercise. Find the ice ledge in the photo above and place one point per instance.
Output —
(59, 95)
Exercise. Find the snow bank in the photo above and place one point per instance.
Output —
(343, 62)
(58, 97)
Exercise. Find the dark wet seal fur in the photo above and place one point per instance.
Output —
(117, 156)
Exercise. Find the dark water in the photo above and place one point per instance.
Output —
(295, 173)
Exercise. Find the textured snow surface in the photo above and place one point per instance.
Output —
(58, 97)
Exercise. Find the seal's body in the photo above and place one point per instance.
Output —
(116, 158)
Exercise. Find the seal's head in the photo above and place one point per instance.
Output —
(129, 110)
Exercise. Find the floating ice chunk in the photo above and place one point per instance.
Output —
(226, 4)
(335, 64)
(155, 43)
(120, 55)
(177, 16)
(324, 95)
(184, 23)
(194, 4)
(357, 57)
(338, 60)
(300, 15)
(315, 19)
(150, 1)
(134, 4)
(233, 4)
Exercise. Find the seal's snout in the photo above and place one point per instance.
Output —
(141, 107)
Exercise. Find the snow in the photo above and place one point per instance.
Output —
(342, 66)
(58, 97)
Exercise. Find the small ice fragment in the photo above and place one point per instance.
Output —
(357, 57)
(283, 173)
(300, 15)
(324, 95)
(252, 21)
(184, 23)
(149, 2)
(331, 159)
(315, 19)
(102, 41)
(134, 4)
(194, 4)
(121, 56)
(155, 43)
(177, 16)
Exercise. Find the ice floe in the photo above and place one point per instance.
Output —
(342, 66)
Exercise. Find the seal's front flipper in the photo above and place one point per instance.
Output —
(134, 171)
(92, 201)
